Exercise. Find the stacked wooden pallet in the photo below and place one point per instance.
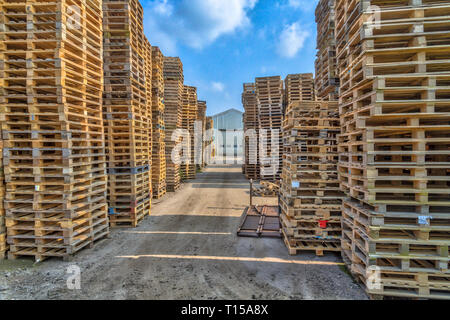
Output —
(201, 121)
(3, 244)
(394, 150)
(299, 87)
(189, 115)
(209, 145)
(149, 95)
(158, 134)
(251, 126)
(327, 77)
(269, 93)
(310, 196)
(173, 90)
(127, 112)
(52, 128)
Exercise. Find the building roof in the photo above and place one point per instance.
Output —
(227, 111)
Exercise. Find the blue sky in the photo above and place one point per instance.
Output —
(224, 43)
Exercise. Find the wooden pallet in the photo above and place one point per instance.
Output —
(318, 246)
(412, 285)
(54, 159)
(132, 218)
(41, 248)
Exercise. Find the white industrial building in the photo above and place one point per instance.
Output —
(228, 135)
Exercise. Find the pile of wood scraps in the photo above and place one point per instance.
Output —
(266, 189)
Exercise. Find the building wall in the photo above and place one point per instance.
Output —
(228, 133)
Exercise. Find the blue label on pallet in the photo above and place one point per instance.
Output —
(324, 237)
(424, 220)
(295, 184)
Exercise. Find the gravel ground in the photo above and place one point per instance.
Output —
(186, 249)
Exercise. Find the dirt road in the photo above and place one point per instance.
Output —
(187, 249)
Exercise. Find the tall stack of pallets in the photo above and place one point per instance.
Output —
(251, 128)
(3, 245)
(310, 196)
(127, 112)
(158, 134)
(326, 81)
(189, 116)
(269, 93)
(201, 144)
(394, 149)
(173, 90)
(52, 129)
(149, 95)
(298, 87)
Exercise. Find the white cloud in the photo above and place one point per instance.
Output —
(218, 86)
(305, 5)
(291, 40)
(163, 8)
(294, 3)
(197, 23)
